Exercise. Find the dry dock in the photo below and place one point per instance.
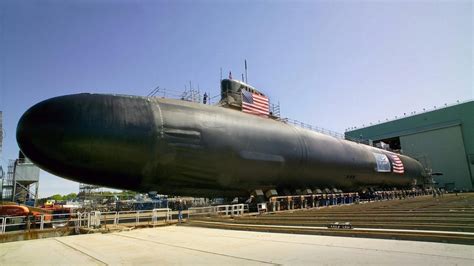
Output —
(449, 218)
(199, 246)
(264, 239)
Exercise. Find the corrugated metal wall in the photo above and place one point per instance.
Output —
(443, 151)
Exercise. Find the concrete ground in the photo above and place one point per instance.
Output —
(197, 246)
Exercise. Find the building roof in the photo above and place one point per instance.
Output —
(459, 114)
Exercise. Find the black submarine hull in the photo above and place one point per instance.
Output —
(183, 148)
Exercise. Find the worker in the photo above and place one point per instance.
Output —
(180, 211)
(204, 99)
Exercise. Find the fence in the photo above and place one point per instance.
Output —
(324, 131)
(97, 219)
(314, 128)
(228, 210)
(92, 219)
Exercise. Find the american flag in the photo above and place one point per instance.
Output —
(397, 164)
(254, 104)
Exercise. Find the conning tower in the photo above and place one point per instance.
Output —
(231, 93)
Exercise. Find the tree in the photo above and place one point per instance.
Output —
(70, 196)
(56, 197)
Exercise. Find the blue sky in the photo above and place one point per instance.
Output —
(334, 64)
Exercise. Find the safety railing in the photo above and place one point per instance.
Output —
(2, 229)
(233, 210)
(201, 211)
(314, 128)
(44, 221)
(57, 220)
(324, 131)
(13, 222)
(94, 219)
(227, 210)
(156, 213)
(223, 209)
(83, 220)
(130, 217)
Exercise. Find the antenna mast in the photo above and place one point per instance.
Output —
(246, 77)
(153, 92)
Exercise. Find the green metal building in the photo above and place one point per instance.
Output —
(442, 140)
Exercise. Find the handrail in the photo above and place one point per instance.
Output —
(201, 210)
(322, 130)
(232, 210)
(2, 225)
(155, 213)
(314, 128)
(77, 220)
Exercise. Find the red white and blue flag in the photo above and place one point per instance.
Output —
(254, 103)
(397, 164)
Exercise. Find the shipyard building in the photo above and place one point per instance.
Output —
(441, 139)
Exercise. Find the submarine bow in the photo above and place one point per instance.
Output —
(95, 139)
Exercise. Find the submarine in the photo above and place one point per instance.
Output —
(177, 147)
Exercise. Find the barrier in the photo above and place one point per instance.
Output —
(238, 209)
(14, 221)
(234, 209)
(94, 219)
(81, 221)
(126, 216)
(201, 211)
(223, 209)
(227, 210)
(156, 212)
(2, 225)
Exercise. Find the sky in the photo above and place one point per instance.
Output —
(334, 64)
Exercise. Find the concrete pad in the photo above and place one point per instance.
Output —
(198, 246)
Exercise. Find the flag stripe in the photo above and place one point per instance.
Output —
(246, 105)
(250, 110)
(397, 164)
(254, 110)
(254, 104)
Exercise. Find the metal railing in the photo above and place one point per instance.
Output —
(94, 219)
(324, 131)
(45, 221)
(2, 225)
(227, 210)
(314, 128)
(197, 211)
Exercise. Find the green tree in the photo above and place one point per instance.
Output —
(70, 196)
(56, 197)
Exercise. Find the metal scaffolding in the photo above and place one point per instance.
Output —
(21, 182)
